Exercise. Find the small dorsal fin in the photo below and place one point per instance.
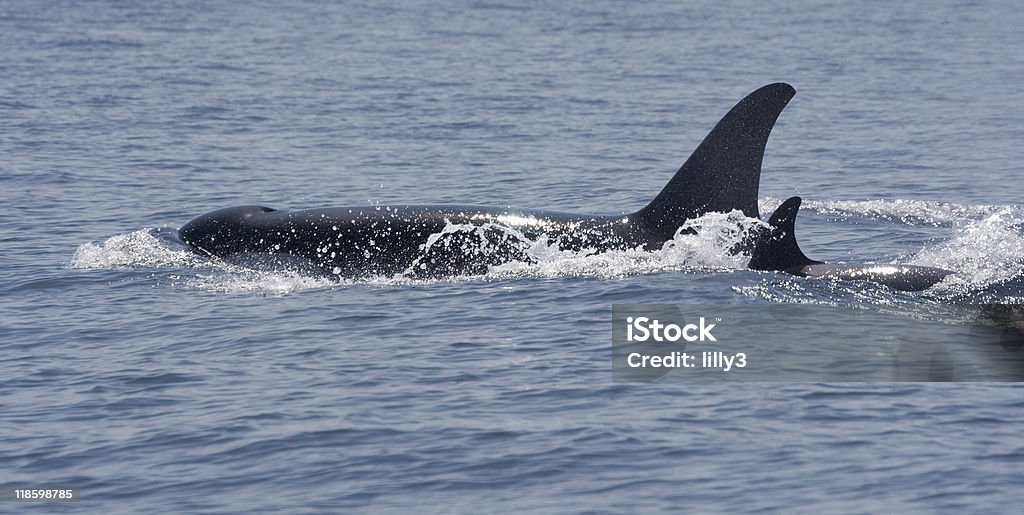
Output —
(778, 249)
(723, 173)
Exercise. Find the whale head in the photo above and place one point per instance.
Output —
(225, 231)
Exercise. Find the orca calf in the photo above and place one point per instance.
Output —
(722, 175)
(778, 250)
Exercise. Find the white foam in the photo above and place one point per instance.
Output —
(141, 248)
(240, 280)
(982, 252)
(710, 249)
(908, 212)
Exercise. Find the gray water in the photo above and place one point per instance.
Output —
(154, 379)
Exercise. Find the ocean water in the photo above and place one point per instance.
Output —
(153, 379)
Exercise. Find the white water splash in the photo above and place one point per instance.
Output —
(145, 249)
(709, 249)
(240, 280)
(907, 212)
(981, 252)
(141, 248)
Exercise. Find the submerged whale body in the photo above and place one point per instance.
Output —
(722, 175)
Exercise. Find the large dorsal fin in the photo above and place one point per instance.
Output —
(724, 172)
(778, 249)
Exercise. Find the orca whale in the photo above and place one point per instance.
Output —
(778, 250)
(723, 174)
